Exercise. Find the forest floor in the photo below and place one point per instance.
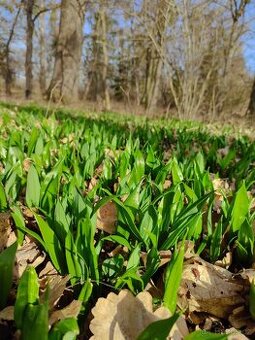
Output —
(119, 226)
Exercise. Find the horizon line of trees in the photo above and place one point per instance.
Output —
(184, 56)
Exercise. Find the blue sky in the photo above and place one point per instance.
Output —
(249, 39)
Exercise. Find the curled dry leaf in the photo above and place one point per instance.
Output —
(113, 154)
(26, 164)
(165, 257)
(220, 185)
(167, 184)
(57, 283)
(1, 164)
(7, 314)
(125, 316)
(211, 289)
(226, 261)
(197, 318)
(223, 151)
(28, 254)
(47, 270)
(5, 229)
(27, 213)
(107, 218)
(92, 184)
(71, 311)
(234, 334)
(12, 239)
(240, 319)
(247, 274)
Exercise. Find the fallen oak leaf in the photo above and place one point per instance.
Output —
(57, 283)
(5, 229)
(7, 314)
(165, 257)
(234, 334)
(27, 164)
(48, 270)
(107, 218)
(240, 319)
(70, 311)
(211, 289)
(27, 254)
(167, 184)
(125, 316)
(226, 261)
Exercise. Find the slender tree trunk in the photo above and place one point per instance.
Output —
(154, 67)
(155, 53)
(64, 83)
(29, 48)
(8, 74)
(94, 84)
(42, 52)
(8, 70)
(251, 107)
(107, 104)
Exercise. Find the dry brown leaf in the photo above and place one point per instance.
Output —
(165, 257)
(113, 154)
(223, 151)
(5, 229)
(247, 274)
(11, 239)
(71, 311)
(219, 185)
(7, 313)
(211, 289)
(208, 324)
(125, 316)
(167, 184)
(27, 213)
(240, 318)
(57, 285)
(28, 254)
(1, 164)
(107, 218)
(234, 334)
(92, 184)
(117, 250)
(226, 261)
(26, 164)
(197, 318)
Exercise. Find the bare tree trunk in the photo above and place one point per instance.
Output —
(251, 107)
(8, 71)
(107, 104)
(64, 83)
(29, 5)
(42, 52)
(155, 53)
(154, 67)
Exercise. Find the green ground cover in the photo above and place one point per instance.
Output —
(102, 203)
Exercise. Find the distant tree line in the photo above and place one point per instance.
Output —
(181, 56)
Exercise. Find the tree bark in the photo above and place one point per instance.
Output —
(29, 5)
(107, 103)
(42, 52)
(251, 107)
(8, 71)
(64, 83)
(155, 52)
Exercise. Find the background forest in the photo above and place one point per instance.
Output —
(178, 57)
